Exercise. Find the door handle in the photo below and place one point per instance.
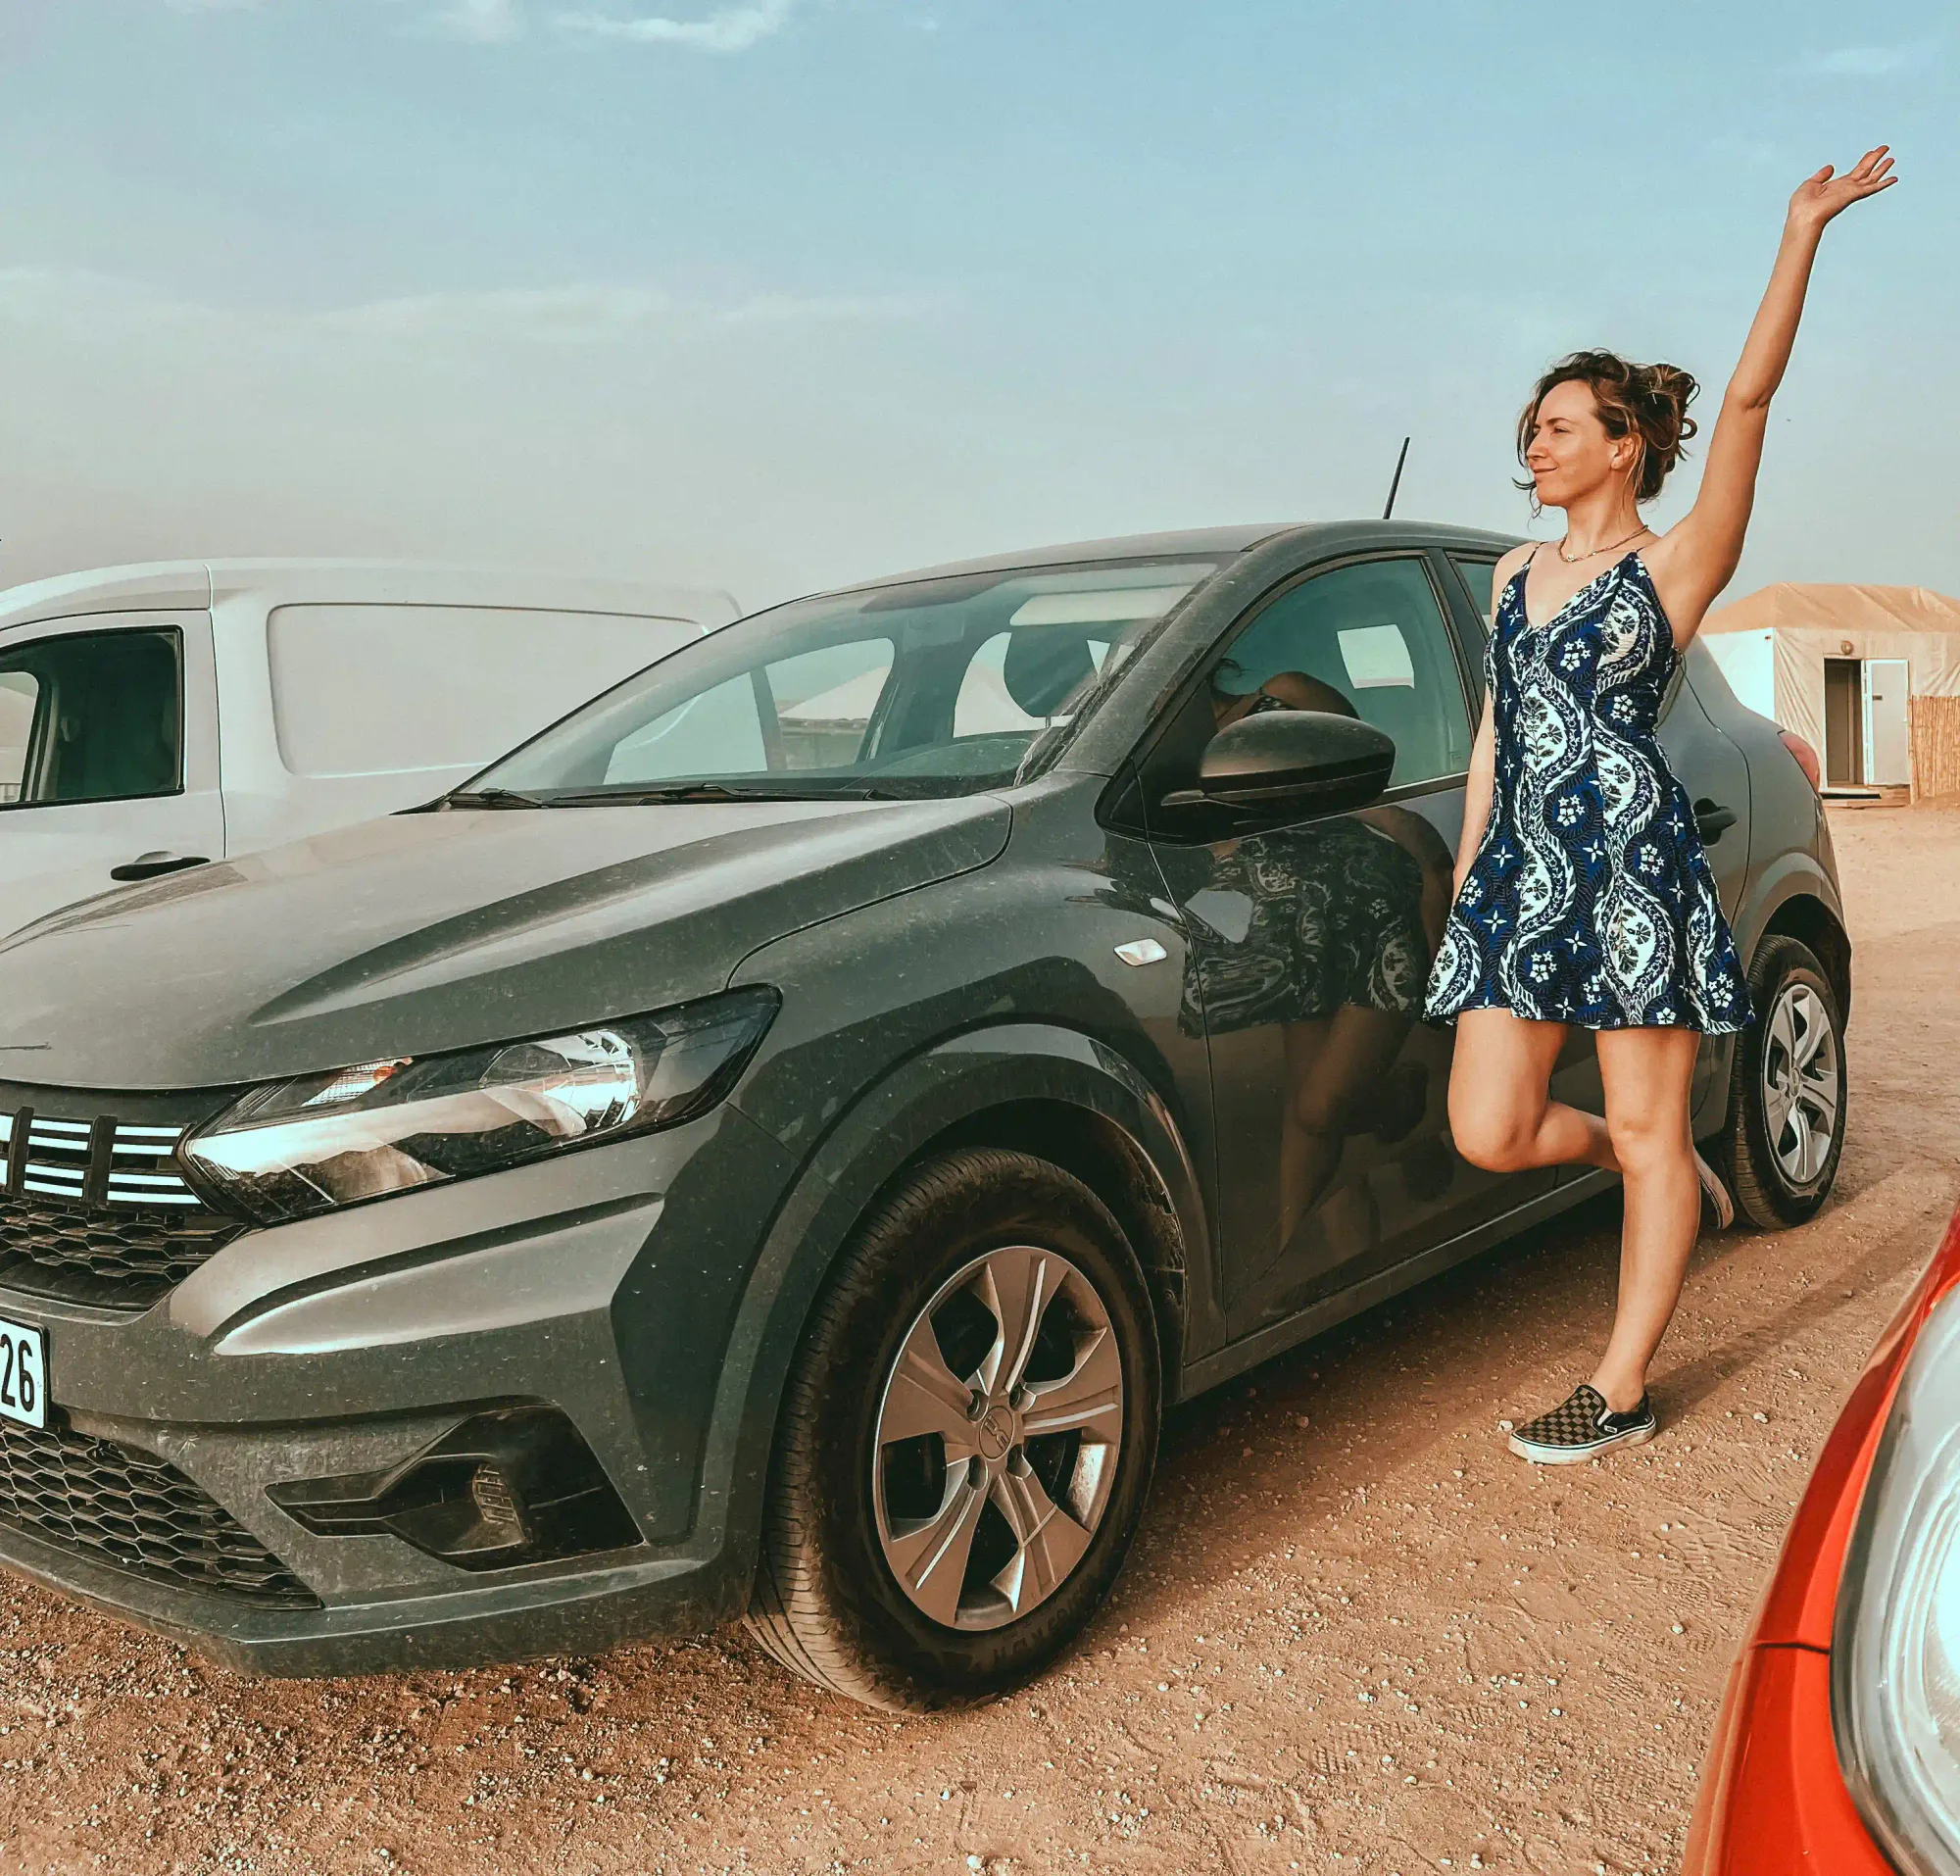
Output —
(150, 866)
(1710, 819)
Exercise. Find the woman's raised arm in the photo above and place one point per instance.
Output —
(1700, 551)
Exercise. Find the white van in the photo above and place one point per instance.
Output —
(156, 718)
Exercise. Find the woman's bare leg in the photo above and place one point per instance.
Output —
(1646, 1074)
(1499, 1116)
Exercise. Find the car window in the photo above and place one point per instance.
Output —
(806, 713)
(18, 691)
(1370, 640)
(102, 716)
(985, 705)
(1477, 575)
(925, 687)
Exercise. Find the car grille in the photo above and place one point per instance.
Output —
(96, 1210)
(135, 1512)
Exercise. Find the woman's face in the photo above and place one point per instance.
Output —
(1570, 454)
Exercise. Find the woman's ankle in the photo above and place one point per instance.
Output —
(1620, 1396)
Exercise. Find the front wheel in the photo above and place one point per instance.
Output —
(966, 1440)
(1786, 1103)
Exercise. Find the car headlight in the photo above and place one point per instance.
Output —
(324, 1140)
(1895, 1648)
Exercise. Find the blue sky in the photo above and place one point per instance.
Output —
(775, 294)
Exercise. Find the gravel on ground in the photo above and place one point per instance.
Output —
(1355, 1634)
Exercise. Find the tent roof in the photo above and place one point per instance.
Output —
(1838, 609)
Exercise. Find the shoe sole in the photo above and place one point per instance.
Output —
(1578, 1454)
(1716, 1192)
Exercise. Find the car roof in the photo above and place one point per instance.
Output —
(1201, 543)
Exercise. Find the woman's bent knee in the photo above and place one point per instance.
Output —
(1493, 1139)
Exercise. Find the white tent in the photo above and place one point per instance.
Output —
(1788, 651)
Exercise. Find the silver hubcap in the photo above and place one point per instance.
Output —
(996, 1438)
(1800, 1070)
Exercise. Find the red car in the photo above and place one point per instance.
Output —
(1837, 1748)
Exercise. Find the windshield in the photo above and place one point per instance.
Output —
(934, 687)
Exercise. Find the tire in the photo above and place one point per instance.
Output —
(855, 1498)
(1783, 1156)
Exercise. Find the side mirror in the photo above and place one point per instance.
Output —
(1286, 764)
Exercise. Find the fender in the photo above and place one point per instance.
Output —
(915, 1102)
(1794, 875)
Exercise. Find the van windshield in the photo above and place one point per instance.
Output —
(933, 687)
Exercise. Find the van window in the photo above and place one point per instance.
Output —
(18, 693)
(374, 690)
(91, 717)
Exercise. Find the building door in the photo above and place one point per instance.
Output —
(1843, 725)
(1886, 739)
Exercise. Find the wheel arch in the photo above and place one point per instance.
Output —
(1033, 1087)
(1808, 920)
(1795, 896)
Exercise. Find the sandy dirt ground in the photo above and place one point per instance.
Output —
(1355, 1634)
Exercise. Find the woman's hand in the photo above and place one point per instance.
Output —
(1821, 196)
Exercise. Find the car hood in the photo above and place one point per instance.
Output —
(430, 931)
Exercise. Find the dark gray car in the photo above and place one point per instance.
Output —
(777, 1142)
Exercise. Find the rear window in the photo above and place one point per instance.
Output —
(364, 690)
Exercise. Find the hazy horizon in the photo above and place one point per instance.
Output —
(777, 294)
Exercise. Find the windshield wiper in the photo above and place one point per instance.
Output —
(708, 792)
(491, 798)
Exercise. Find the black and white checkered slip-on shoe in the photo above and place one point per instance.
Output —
(1581, 1427)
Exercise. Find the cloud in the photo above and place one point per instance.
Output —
(727, 30)
(104, 309)
(793, 309)
(574, 314)
(1860, 62)
(480, 21)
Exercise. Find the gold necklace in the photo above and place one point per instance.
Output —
(1573, 560)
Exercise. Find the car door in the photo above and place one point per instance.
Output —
(108, 757)
(1311, 944)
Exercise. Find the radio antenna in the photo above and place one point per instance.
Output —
(1389, 509)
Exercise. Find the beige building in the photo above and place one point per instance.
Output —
(1868, 675)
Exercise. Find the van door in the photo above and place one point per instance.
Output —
(108, 757)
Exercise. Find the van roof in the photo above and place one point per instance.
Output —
(194, 585)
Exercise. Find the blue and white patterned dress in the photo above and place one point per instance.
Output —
(1589, 900)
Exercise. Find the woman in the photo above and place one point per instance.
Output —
(1583, 896)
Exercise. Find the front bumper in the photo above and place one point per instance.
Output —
(601, 1283)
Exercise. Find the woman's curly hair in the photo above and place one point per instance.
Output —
(1648, 401)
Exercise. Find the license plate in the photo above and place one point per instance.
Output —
(24, 1367)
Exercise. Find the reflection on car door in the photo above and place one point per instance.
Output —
(1310, 947)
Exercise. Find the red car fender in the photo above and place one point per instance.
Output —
(1772, 1796)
